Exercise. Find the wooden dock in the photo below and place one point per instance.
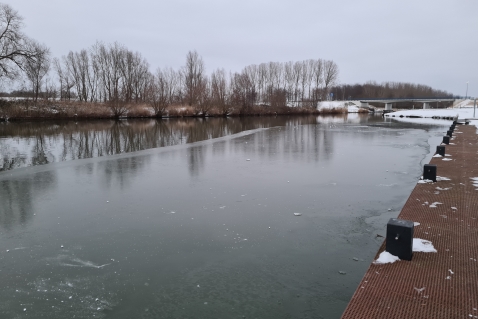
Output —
(433, 285)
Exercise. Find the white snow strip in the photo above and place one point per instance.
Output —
(422, 245)
(475, 181)
(441, 178)
(437, 155)
(424, 181)
(435, 204)
(447, 159)
(386, 258)
(416, 224)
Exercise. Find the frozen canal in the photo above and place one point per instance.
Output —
(237, 218)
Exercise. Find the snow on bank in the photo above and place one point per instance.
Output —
(327, 105)
(419, 245)
(434, 116)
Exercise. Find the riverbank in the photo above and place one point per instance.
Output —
(18, 110)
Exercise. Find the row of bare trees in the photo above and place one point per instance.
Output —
(387, 90)
(102, 73)
(116, 75)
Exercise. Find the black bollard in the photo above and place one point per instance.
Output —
(430, 172)
(452, 128)
(446, 140)
(441, 150)
(399, 240)
(449, 133)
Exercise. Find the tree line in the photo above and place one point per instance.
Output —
(386, 90)
(113, 74)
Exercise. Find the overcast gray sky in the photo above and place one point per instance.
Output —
(432, 42)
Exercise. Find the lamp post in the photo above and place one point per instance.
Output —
(474, 108)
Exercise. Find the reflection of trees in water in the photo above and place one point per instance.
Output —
(294, 140)
(120, 172)
(37, 143)
(18, 195)
(11, 161)
(196, 159)
(39, 155)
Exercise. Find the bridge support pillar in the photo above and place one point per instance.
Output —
(426, 105)
(364, 105)
(388, 106)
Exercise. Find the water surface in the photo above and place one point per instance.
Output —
(188, 219)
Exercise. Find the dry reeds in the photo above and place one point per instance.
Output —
(54, 109)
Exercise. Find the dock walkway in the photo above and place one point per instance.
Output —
(433, 285)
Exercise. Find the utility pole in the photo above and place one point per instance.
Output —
(466, 96)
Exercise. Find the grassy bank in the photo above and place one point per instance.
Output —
(30, 110)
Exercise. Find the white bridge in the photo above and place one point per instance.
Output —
(388, 102)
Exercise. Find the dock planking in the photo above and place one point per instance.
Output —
(433, 285)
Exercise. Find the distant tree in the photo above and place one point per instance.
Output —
(331, 75)
(160, 90)
(219, 92)
(317, 79)
(36, 69)
(66, 82)
(243, 93)
(204, 102)
(395, 90)
(15, 47)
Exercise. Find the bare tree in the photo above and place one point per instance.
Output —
(134, 69)
(331, 75)
(15, 47)
(297, 71)
(174, 84)
(157, 93)
(317, 79)
(80, 69)
(262, 80)
(289, 80)
(204, 101)
(219, 92)
(243, 93)
(36, 69)
(193, 76)
(60, 73)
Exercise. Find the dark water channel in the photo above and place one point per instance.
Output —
(195, 219)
